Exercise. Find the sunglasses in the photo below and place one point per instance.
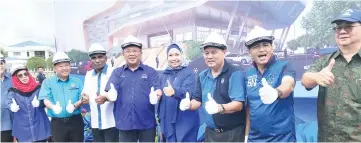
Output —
(347, 27)
(22, 75)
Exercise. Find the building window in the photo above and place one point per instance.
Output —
(17, 53)
(187, 36)
(202, 33)
(28, 54)
(40, 54)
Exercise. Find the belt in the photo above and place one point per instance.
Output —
(66, 119)
(221, 130)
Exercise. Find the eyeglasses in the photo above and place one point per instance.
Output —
(22, 75)
(347, 27)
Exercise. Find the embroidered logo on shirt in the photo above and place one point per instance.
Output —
(271, 78)
(195, 70)
(252, 81)
(222, 81)
(144, 76)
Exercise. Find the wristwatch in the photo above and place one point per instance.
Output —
(222, 111)
(280, 93)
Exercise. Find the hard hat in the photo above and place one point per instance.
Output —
(131, 41)
(215, 40)
(17, 67)
(257, 35)
(60, 57)
(2, 58)
(96, 48)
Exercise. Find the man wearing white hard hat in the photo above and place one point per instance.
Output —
(62, 97)
(138, 90)
(220, 92)
(101, 103)
(6, 84)
(269, 87)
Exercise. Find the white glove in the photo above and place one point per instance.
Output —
(185, 103)
(112, 93)
(211, 105)
(35, 102)
(57, 108)
(153, 98)
(70, 107)
(14, 107)
(267, 93)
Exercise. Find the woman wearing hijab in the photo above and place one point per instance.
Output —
(30, 122)
(178, 83)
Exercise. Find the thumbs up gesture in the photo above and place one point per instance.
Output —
(267, 93)
(70, 107)
(325, 77)
(57, 108)
(14, 107)
(211, 105)
(153, 98)
(112, 93)
(185, 103)
(35, 102)
(168, 91)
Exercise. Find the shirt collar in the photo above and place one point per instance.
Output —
(225, 67)
(104, 70)
(141, 66)
(338, 53)
(273, 60)
(7, 75)
(58, 79)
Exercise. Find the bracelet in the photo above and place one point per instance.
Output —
(280, 93)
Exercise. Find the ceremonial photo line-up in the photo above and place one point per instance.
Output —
(255, 105)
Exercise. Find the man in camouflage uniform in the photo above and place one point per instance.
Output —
(339, 77)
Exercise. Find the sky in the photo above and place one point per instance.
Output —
(40, 20)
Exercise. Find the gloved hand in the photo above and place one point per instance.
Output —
(14, 107)
(185, 103)
(267, 93)
(57, 108)
(169, 91)
(35, 102)
(112, 93)
(70, 107)
(153, 98)
(211, 105)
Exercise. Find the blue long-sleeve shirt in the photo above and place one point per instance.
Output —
(132, 109)
(29, 123)
(6, 123)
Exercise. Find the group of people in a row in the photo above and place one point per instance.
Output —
(257, 104)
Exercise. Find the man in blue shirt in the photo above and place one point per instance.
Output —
(62, 97)
(6, 122)
(269, 87)
(138, 90)
(220, 91)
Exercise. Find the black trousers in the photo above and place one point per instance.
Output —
(236, 134)
(6, 136)
(147, 135)
(106, 135)
(68, 129)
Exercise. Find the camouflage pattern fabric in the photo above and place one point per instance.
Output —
(339, 105)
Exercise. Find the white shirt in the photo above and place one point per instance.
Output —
(106, 109)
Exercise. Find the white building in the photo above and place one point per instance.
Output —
(28, 49)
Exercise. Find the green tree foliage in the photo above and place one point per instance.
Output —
(78, 56)
(318, 21)
(193, 50)
(5, 54)
(49, 63)
(34, 62)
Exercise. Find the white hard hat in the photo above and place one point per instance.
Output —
(257, 35)
(131, 41)
(96, 48)
(215, 40)
(60, 57)
(17, 67)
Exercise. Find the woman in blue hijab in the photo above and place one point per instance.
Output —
(177, 80)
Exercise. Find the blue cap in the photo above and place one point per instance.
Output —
(351, 15)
